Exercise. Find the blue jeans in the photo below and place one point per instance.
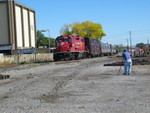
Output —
(127, 67)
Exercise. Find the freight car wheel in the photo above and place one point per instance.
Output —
(89, 56)
(73, 57)
(76, 57)
(55, 59)
(66, 58)
(84, 55)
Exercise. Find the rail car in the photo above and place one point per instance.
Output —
(70, 47)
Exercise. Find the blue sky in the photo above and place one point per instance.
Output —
(117, 17)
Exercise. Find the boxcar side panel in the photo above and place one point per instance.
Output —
(93, 46)
(105, 48)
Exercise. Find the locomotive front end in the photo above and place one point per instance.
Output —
(70, 47)
(63, 44)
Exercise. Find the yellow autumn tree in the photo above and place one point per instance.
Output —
(85, 29)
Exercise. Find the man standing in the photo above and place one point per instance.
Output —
(127, 63)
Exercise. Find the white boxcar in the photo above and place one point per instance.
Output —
(17, 26)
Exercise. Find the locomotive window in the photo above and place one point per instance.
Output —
(66, 40)
(63, 40)
(59, 40)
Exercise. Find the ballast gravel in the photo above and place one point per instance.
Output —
(84, 86)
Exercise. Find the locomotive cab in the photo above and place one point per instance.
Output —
(63, 44)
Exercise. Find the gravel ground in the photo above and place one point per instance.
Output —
(79, 87)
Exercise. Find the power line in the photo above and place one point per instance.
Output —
(126, 37)
(142, 31)
(117, 35)
(126, 33)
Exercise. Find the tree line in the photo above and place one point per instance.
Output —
(44, 41)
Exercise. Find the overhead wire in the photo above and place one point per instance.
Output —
(127, 33)
(117, 35)
(123, 37)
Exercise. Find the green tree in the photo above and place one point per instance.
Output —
(140, 45)
(66, 30)
(85, 29)
(41, 40)
(52, 41)
(118, 48)
(44, 41)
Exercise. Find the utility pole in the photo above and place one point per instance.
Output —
(127, 44)
(130, 41)
(49, 38)
(148, 41)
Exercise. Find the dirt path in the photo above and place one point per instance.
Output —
(79, 87)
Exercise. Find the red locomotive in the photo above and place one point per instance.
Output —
(73, 47)
(69, 47)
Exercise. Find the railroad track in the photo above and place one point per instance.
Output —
(65, 62)
(135, 61)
